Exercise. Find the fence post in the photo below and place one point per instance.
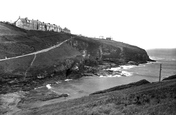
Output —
(160, 72)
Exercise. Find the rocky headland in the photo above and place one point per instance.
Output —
(30, 61)
(30, 58)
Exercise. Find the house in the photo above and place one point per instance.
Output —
(23, 23)
(34, 23)
(51, 27)
(27, 24)
(41, 26)
(66, 30)
(59, 28)
(55, 28)
(108, 38)
(48, 27)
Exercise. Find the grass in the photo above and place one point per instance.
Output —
(58, 63)
(147, 99)
(141, 82)
(170, 77)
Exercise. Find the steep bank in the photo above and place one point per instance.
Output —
(141, 97)
(55, 56)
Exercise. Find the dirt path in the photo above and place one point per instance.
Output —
(37, 52)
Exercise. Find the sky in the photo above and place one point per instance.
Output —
(145, 23)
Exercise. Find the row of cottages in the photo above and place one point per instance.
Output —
(27, 24)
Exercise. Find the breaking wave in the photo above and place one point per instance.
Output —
(68, 79)
(120, 74)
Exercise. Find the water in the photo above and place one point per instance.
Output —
(131, 73)
(166, 57)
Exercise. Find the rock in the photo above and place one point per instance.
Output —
(133, 63)
(9, 102)
(170, 77)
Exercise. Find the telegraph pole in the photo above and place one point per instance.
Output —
(160, 72)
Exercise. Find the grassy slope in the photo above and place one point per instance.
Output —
(16, 41)
(150, 98)
(23, 41)
(7, 29)
(42, 60)
(48, 61)
(118, 44)
(128, 52)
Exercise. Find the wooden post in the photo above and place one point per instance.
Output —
(160, 73)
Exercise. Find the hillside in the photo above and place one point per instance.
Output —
(139, 98)
(29, 58)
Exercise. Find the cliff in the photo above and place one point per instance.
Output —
(29, 58)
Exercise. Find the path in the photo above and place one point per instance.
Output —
(37, 52)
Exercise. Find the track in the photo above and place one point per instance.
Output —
(37, 52)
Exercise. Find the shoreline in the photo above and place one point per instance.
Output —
(29, 86)
(49, 95)
(20, 104)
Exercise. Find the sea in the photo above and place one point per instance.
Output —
(129, 73)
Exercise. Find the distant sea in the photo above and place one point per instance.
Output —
(150, 71)
(166, 57)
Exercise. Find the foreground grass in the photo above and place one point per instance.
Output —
(150, 98)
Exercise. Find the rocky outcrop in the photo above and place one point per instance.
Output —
(170, 77)
(50, 56)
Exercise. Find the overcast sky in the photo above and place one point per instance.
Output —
(145, 23)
